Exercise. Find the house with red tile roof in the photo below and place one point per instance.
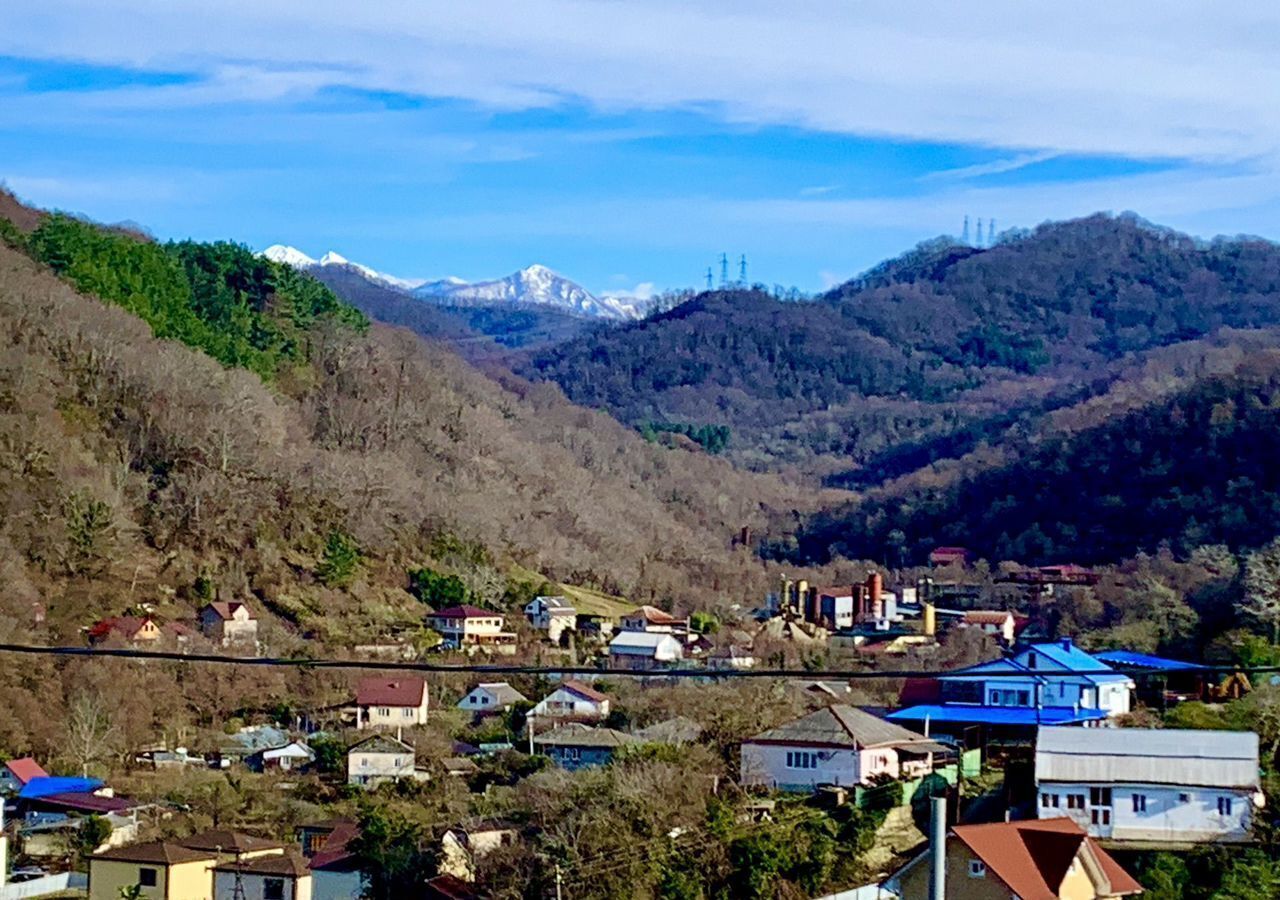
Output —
(471, 628)
(137, 630)
(946, 556)
(396, 702)
(1034, 860)
(16, 773)
(652, 619)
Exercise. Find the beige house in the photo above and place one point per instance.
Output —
(399, 702)
(281, 877)
(163, 871)
(472, 628)
(1048, 859)
(379, 759)
(461, 847)
(229, 623)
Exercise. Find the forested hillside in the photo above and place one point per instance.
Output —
(134, 468)
(943, 339)
(1192, 469)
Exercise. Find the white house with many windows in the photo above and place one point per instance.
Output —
(840, 745)
(554, 615)
(490, 697)
(1150, 786)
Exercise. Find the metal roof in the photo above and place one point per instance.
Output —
(1148, 756)
(646, 642)
(1136, 660)
(843, 726)
(58, 784)
(998, 715)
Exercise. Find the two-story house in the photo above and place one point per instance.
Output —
(1054, 683)
(573, 701)
(398, 702)
(840, 745)
(652, 619)
(230, 624)
(491, 697)
(471, 628)
(1162, 786)
(379, 759)
(1028, 859)
(576, 746)
(554, 615)
(138, 631)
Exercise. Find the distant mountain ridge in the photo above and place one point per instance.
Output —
(535, 285)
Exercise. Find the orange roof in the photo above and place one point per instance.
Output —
(653, 615)
(583, 690)
(1032, 857)
(25, 769)
(226, 609)
(986, 617)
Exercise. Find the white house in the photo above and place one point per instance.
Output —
(229, 623)
(643, 650)
(552, 615)
(839, 745)
(491, 697)
(573, 700)
(398, 702)
(291, 756)
(1150, 785)
(282, 877)
(381, 758)
(1000, 624)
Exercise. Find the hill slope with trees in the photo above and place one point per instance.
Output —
(937, 341)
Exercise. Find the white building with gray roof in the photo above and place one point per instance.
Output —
(1147, 787)
(840, 745)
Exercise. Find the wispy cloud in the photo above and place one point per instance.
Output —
(818, 190)
(995, 167)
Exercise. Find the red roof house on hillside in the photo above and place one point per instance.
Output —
(469, 627)
(137, 630)
(18, 772)
(946, 556)
(397, 702)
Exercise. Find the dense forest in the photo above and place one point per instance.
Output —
(936, 344)
(1193, 469)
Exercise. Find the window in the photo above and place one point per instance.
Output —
(399, 761)
(1049, 801)
(1099, 796)
(977, 868)
(364, 762)
(408, 713)
(1100, 817)
(384, 711)
(484, 700)
(1139, 803)
(273, 889)
(799, 759)
(1184, 798)
(147, 877)
(1075, 801)
(1224, 806)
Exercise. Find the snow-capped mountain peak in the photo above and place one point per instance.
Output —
(535, 285)
(289, 256)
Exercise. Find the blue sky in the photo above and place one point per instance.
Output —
(627, 145)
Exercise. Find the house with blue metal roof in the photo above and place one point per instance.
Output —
(1167, 681)
(1052, 683)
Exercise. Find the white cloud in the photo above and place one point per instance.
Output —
(995, 167)
(1144, 78)
(645, 290)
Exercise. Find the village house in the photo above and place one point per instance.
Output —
(644, 650)
(472, 628)
(839, 745)
(577, 746)
(164, 870)
(654, 620)
(379, 759)
(277, 877)
(398, 702)
(573, 700)
(1031, 860)
(230, 845)
(293, 755)
(462, 846)
(335, 869)
(950, 556)
(731, 656)
(229, 623)
(138, 631)
(1152, 786)
(491, 697)
(17, 773)
(1010, 698)
(554, 615)
(1000, 624)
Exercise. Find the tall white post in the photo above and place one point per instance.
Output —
(4, 850)
(938, 852)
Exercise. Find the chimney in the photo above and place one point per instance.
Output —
(1066, 643)
(802, 596)
(930, 616)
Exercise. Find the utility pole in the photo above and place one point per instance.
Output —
(938, 852)
(742, 270)
(559, 879)
(991, 232)
(724, 270)
(709, 282)
(979, 242)
(964, 234)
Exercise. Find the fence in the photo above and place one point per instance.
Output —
(969, 766)
(42, 887)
